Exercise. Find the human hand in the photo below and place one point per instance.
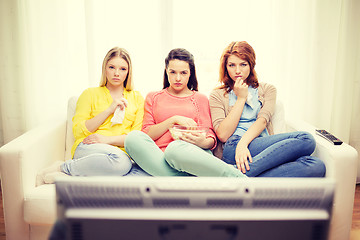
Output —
(241, 88)
(195, 138)
(122, 103)
(95, 138)
(242, 158)
(183, 121)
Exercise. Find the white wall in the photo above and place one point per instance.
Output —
(53, 49)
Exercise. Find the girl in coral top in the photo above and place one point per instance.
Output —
(98, 149)
(178, 103)
(242, 110)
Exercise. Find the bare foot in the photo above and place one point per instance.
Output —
(53, 168)
(39, 179)
(51, 177)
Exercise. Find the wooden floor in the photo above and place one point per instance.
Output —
(355, 232)
(355, 228)
(2, 224)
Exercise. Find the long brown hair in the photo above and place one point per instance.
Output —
(244, 51)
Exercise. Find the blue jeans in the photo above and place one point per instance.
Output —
(180, 158)
(100, 160)
(279, 155)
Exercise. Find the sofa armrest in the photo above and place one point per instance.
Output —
(20, 160)
(32, 151)
(341, 165)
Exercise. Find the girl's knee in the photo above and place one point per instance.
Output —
(307, 136)
(118, 164)
(100, 164)
(172, 150)
(316, 168)
(174, 153)
(310, 145)
(320, 168)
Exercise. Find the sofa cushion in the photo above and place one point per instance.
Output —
(69, 134)
(40, 205)
(278, 118)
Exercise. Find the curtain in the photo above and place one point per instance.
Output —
(43, 61)
(310, 50)
(53, 49)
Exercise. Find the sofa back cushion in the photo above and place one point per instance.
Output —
(278, 120)
(69, 134)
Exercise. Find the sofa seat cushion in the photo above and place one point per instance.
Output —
(40, 205)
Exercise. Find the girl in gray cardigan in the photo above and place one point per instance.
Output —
(241, 111)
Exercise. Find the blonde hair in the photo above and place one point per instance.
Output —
(117, 52)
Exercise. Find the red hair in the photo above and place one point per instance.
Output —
(244, 51)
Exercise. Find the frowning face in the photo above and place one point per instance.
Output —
(237, 68)
(178, 73)
(117, 70)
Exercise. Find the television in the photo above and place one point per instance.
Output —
(184, 208)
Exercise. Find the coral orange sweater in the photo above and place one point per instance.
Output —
(161, 105)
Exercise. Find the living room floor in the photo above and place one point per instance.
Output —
(354, 235)
(355, 228)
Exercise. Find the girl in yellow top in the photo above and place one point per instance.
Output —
(99, 140)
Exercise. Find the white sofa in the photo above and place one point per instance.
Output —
(31, 211)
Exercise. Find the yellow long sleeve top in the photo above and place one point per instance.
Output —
(94, 101)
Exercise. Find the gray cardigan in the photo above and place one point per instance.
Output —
(219, 108)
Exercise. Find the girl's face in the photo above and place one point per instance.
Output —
(116, 71)
(237, 68)
(178, 73)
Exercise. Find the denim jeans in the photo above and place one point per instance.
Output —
(180, 158)
(100, 160)
(279, 155)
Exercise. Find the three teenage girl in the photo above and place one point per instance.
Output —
(238, 117)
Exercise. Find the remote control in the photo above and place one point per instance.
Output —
(328, 136)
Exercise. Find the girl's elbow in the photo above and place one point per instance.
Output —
(222, 137)
(262, 121)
